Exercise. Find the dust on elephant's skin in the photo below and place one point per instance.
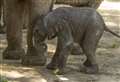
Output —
(73, 27)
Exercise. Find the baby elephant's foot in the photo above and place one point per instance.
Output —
(51, 66)
(56, 70)
(59, 71)
(89, 69)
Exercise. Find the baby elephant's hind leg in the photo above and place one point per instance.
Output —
(89, 46)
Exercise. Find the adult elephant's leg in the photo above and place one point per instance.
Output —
(3, 8)
(1, 28)
(37, 8)
(13, 20)
(0, 8)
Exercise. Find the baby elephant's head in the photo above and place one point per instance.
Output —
(39, 36)
(39, 32)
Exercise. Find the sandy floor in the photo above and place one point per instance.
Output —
(108, 57)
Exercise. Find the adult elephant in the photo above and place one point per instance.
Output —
(2, 29)
(0, 8)
(15, 10)
(81, 3)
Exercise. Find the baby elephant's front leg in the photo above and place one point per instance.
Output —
(65, 42)
(62, 58)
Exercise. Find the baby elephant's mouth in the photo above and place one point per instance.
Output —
(41, 48)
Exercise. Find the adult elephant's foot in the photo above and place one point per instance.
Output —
(14, 54)
(93, 69)
(34, 58)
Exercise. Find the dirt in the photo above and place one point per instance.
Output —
(108, 58)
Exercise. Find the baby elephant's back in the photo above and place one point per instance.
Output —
(78, 19)
(76, 16)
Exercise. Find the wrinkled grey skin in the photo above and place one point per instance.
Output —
(73, 27)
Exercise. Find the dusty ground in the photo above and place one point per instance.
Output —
(108, 57)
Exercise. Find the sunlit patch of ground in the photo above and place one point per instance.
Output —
(108, 57)
(110, 5)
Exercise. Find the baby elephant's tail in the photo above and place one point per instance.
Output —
(108, 30)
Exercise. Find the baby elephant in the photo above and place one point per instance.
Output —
(72, 27)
